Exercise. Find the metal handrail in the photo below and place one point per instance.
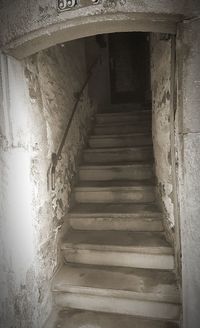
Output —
(57, 156)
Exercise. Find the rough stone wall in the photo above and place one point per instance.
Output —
(161, 118)
(37, 96)
(188, 123)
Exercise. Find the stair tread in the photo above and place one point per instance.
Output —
(115, 164)
(122, 113)
(121, 123)
(100, 165)
(152, 242)
(115, 208)
(148, 284)
(118, 149)
(79, 318)
(120, 135)
(122, 184)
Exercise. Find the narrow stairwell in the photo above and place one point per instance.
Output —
(119, 267)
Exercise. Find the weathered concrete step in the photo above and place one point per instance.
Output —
(122, 128)
(134, 119)
(149, 293)
(132, 171)
(110, 155)
(72, 318)
(132, 217)
(135, 116)
(113, 223)
(125, 107)
(115, 191)
(127, 140)
(119, 248)
(139, 112)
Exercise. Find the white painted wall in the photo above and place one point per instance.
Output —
(37, 96)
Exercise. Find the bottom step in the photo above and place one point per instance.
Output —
(89, 319)
(145, 293)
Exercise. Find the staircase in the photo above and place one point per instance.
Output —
(119, 267)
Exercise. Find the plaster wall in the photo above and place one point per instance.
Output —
(37, 96)
(161, 125)
(188, 123)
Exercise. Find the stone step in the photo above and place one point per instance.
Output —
(73, 318)
(139, 292)
(131, 171)
(115, 191)
(134, 116)
(119, 248)
(121, 128)
(114, 155)
(132, 217)
(125, 107)
(126, 140)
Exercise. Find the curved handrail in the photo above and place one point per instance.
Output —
(57, 156)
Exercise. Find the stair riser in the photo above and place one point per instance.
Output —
(158, 310)
(131, 141)
(122, 259)
(126, 118)
(109, 196)
(120, 224)
(118, 156)
(121, 129)
(116, 173)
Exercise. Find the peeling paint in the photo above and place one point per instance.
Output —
(48, 80)
(161, 70)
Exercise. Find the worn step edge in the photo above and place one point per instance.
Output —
(104, 223)
(154, 310)
(107, 117)
(115, 210)
(114, 194)
(114, 188)
(144, 260)
(133, 112)
(120, 136)
(120, 149)
(112, 215)
(87, 166)
(162, 292)
(116, 172)
(157, 303)
(82, 318)
(161, 247)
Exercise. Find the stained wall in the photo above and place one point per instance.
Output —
(37, 97)
(161, 123)
(188, 124)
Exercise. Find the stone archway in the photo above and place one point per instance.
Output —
(39, 26)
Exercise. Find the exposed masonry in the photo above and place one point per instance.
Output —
(161, 80)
